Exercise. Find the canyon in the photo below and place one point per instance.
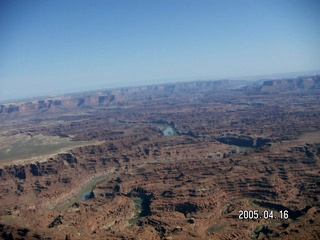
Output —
(167, 161)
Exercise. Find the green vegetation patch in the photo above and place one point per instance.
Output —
(138, 209)
(256, 232)
(23, 146)
(215, 228)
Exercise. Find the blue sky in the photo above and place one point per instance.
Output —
(52, 47)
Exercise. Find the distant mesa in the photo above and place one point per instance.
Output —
(62, 102)
(307, 83)
(116, 96)
(105, 98)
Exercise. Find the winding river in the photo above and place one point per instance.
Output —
(84, 192)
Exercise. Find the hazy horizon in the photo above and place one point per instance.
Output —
(59, 47)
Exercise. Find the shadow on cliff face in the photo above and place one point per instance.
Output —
(244, 141)
(186, 208)
(142, 200)
(87, 196)
(145, 205)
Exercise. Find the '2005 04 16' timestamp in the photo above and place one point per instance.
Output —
(266, 214)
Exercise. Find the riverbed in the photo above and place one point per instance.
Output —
(168, 131)
(81, 194)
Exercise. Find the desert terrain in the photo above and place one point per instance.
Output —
(195, 160)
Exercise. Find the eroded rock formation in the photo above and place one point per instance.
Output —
(231, 150)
